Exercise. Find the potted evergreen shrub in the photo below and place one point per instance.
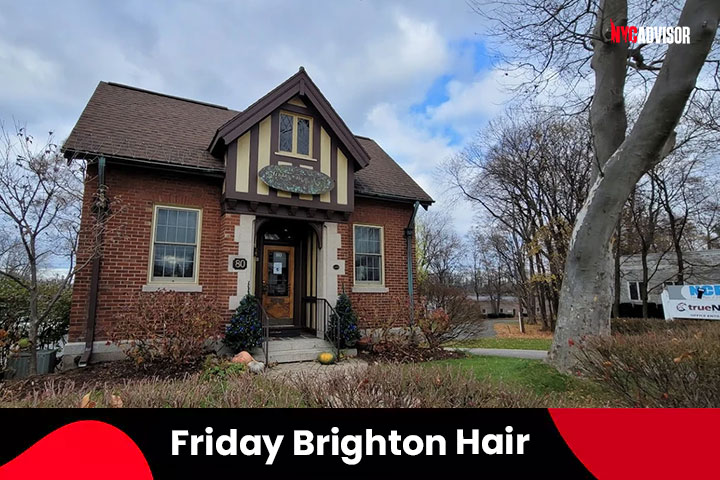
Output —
(344, 320)
(245, 329)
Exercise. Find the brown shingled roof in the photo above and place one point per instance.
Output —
(134, 124)
(127, 122)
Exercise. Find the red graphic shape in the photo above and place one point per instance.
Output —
(642, 443)
(86, 449)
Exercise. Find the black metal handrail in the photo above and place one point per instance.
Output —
(265, 322)
(324, 312)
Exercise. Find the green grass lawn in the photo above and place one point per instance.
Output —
(535, 375)
(512, 343)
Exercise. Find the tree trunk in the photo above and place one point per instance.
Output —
(34, 320)
(677, 237)
(616, 290)
(586, 296)
(520, 317)
(532, 317)
(644, 285)
(608, 118)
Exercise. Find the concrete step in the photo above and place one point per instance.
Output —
(297, 343)
(298, 355)
(293, 349)
(289, 356)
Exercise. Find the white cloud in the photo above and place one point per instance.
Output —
(372, 59)
(471, 103)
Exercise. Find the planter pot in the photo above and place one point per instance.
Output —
(18, 365)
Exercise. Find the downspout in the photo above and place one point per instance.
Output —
(409, 231)
(100, 210)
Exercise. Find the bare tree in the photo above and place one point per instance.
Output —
(645, 208)
(440, 252)
(707, 218)
(529, 172)
(564, 35)
(40, 209)
(494, 275)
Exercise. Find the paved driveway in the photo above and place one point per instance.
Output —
(483, 328)
(506, 352)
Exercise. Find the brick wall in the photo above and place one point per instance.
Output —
(126, 251)
(378, 309)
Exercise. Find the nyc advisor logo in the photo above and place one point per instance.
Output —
(647, 35)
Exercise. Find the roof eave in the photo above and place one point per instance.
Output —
(71, 154)
(425, 202)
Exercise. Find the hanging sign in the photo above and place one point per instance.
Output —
(691, 301)
(290, 178)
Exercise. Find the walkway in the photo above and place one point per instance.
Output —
(484, 328)
(289, 370)
(506, 352)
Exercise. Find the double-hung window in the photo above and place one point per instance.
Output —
(635, 290)
(368, 255)
(176, 235)
(295, 137)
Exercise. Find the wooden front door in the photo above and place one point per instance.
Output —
(278, 283)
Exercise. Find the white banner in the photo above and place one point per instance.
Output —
(692, 301)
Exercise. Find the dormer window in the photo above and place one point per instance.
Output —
(295, 138)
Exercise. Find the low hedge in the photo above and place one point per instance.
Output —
(674, 364)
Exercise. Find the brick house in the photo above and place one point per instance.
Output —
(281, 200)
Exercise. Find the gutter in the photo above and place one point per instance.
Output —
(409, 231)
(100, 207)
(143, 163)
(395, 198)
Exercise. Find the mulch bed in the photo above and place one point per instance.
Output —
(106, 373)
(405, 353)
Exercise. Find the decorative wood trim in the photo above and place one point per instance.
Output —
(301, 84)
(254, 146)
(275, 210)
(231, 167)
(333, 170)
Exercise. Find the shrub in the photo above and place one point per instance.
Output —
(167, 326)
(408, 386)
(452, 299)
(217, 369)
(634, 326)
(435, 326)
(245, 329)
(375, 386)
(15, 311)
(346, 318)
(675, 367)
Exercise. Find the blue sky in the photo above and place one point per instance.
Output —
(416, 76)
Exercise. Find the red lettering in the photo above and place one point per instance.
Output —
(614, 33)
(626, 33)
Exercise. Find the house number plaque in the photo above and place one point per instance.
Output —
(239, 263)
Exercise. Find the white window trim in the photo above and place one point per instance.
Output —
(370, 287)
(637, 282)
(294, 153)
(178, 284)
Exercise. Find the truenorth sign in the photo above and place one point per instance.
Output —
(692, 301)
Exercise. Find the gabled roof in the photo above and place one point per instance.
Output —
(298, 84)
(147, 127)
(131, 123)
